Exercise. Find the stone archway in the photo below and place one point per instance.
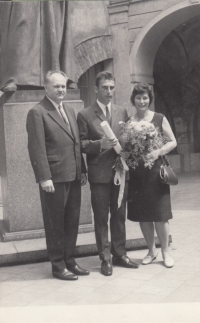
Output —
(177, 83)
(145, 47)
(143, 58)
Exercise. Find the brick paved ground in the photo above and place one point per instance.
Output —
(153, 287)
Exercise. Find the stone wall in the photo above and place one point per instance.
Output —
(141, 13)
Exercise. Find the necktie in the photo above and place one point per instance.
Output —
(107, 114)
(64, 117)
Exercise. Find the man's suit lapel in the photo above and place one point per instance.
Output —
(55, 116)
(114, 115)
(99, 112)
(72, 122)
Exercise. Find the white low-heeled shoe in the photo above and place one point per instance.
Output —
(169, 262)
(148, 259)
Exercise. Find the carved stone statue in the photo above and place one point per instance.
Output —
(42, 35)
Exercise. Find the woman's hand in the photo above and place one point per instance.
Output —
(154, 154)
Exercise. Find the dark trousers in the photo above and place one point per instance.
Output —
(104, 199)
(61, 212)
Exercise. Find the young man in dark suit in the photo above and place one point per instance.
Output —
(54, 149)
(100, 158)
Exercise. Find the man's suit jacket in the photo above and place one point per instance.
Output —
(54, 150)
(100, 163)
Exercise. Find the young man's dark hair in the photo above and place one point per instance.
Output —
(104, 75)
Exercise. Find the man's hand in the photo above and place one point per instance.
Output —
(107, 143)
(124, 154)
(83, 179)
(47, 186)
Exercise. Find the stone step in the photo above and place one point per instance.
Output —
(32, 251)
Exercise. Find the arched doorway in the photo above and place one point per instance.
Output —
(151, 59)
(145, 47)
(177, 83)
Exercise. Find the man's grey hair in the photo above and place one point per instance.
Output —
(49, 73)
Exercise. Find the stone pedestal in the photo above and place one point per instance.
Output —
(22, 217)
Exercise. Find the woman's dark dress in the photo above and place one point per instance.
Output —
(148, 198)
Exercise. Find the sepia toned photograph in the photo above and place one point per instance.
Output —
(100, 161)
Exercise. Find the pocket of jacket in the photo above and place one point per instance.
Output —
(53, 158)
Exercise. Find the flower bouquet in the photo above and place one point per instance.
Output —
(138, 140)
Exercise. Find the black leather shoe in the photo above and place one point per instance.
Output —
(64, 275)
(78, 270)
(124, 261)
(106, 268)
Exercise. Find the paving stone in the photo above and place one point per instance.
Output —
(141, 298)
(24, 297)
(185, 293)
(33, 285)
(155, 290)
(99, 298)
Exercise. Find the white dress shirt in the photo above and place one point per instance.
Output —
(56, 105)
(103, 107)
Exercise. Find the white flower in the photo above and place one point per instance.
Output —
(138, 126)
(153, 133)
(144, 123)
(132, 124)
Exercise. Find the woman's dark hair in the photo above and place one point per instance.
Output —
(141, 88)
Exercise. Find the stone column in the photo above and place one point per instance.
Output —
(22, 217)
(118, 12)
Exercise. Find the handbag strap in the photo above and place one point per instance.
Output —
(164, 160)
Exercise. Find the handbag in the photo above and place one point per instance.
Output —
(167, 174)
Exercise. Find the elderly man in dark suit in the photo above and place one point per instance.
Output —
(100, 158)
(54, 149)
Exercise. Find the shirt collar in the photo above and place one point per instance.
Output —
(103, 106)
(54, 103)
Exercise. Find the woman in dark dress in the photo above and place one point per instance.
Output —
(149, 199)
